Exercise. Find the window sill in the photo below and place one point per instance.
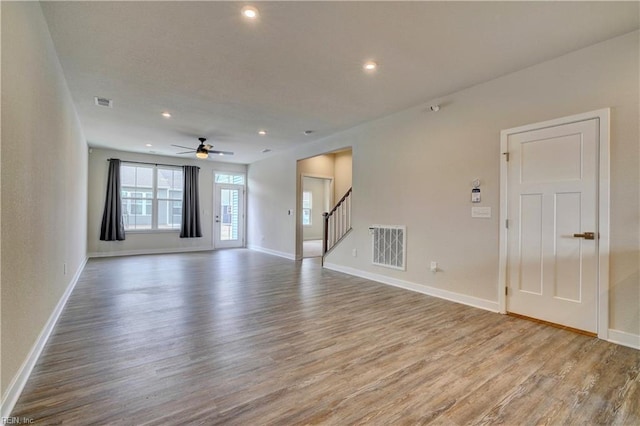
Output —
(151, 231)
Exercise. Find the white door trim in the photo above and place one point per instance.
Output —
(298, 210)
(602, 115)
(316, 176)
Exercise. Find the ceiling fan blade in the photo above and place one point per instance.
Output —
(213, 151)
(180, 146)
(186, 152)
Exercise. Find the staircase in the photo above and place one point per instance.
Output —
(337, 223)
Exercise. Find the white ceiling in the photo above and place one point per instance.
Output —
(299, 66)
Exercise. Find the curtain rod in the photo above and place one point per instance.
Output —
(143, 162)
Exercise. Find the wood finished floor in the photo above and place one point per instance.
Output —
(242, 338)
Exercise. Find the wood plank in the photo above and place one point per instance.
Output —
(239, 337)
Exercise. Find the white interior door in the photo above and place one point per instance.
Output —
(552, 262)
(228, 218)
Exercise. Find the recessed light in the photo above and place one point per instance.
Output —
(250, 12)
(264, 151)
(166, 114)
(308, 132)
(148, 144)
(262, 132)
(370, 66)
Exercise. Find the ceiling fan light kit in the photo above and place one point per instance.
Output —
(203, 150)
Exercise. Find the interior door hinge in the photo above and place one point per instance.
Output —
(506, 291)
(506, 155)
(506, 223)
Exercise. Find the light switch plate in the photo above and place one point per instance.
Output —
(481, 212)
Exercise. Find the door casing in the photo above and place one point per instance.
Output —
(602, 215)
(298, 210)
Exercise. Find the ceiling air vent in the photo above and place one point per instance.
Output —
(103, 102)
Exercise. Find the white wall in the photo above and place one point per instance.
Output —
(150, 242)
(320, 165)
(44, 189)
(343, 171)
(271, 205)
(415, 168)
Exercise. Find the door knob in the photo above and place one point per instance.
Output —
(586, 235)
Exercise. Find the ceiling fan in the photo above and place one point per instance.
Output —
(203, 150)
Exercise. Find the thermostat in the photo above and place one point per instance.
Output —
(475, 192)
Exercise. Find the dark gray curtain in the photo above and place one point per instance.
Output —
(112, 228)
(190, 204)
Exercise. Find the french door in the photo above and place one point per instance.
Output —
(228, 217)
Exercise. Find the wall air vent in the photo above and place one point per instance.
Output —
(388, 246)
(103, 102)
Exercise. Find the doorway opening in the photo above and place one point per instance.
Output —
(317, 198)
(322, 180)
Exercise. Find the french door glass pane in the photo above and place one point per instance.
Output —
(229, 214)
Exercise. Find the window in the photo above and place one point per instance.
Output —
(233, 178)
(169, 184)
(306, 207)
(151, 197)
(137, 196)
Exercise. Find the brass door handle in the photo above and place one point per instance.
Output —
(586, 235)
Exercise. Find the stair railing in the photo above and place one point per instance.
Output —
(337, 222)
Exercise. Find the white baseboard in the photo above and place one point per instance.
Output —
(476, 302)
(623, 338)
(272, 252)
(148, 251)
(20, 379)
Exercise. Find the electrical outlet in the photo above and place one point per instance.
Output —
(434, 266)
(64, 268)
(354, 252)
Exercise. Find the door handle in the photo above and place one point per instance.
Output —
(586, 235)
